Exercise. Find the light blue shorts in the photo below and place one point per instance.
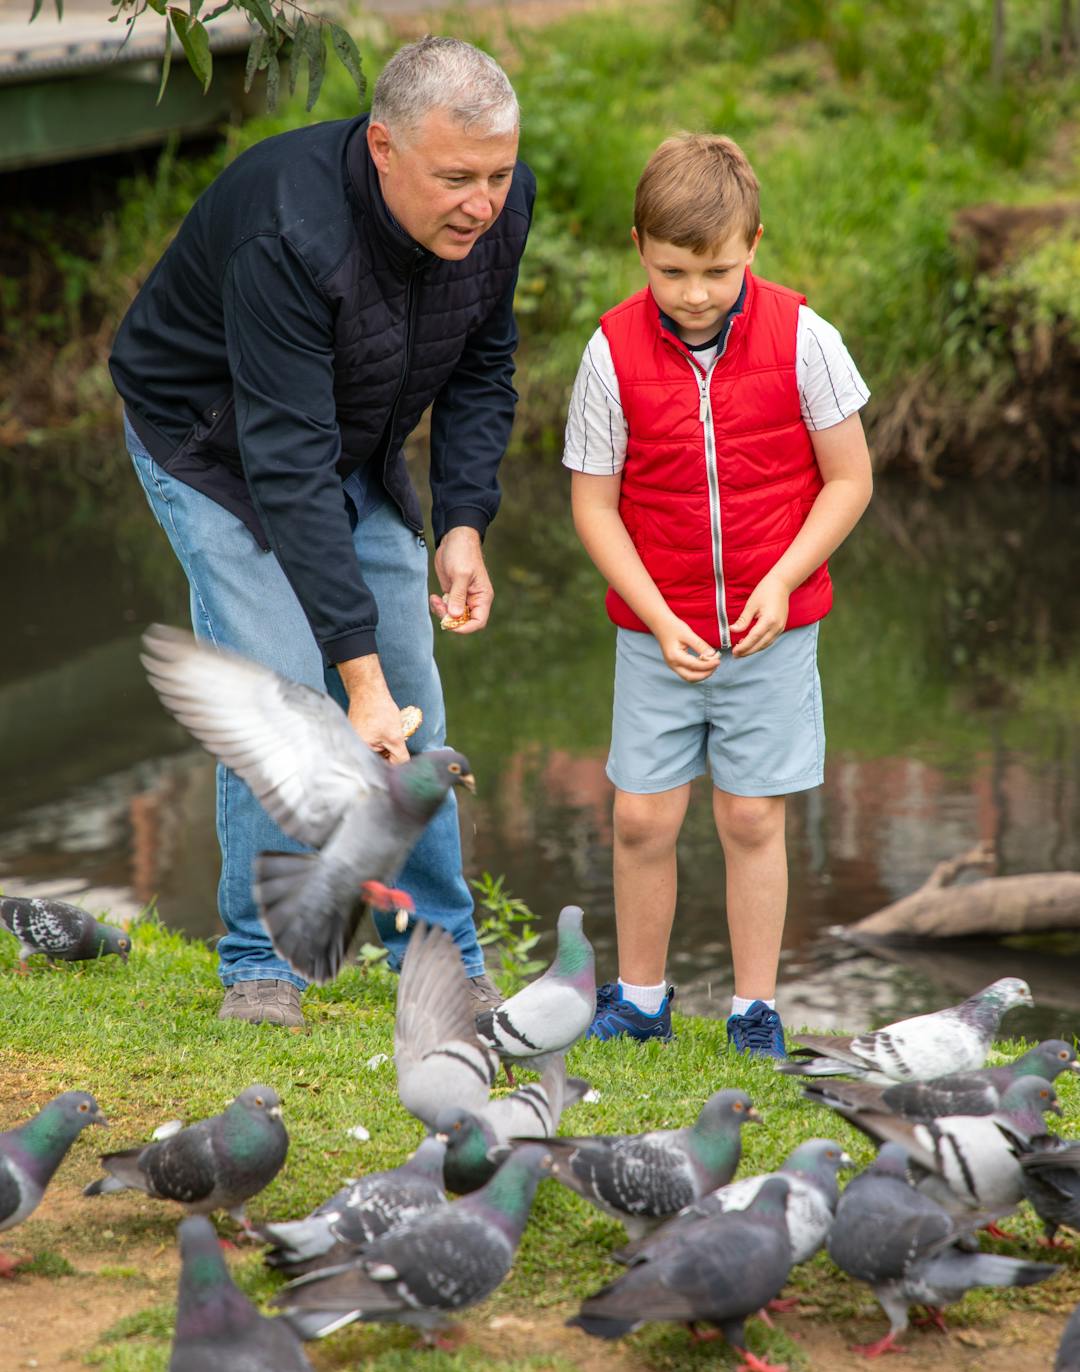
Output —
(756, 724)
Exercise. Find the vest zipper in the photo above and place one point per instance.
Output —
(712, 475)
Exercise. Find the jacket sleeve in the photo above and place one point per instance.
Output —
(278, 332)
(473, 414)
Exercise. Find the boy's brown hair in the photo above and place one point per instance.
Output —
(697, 189)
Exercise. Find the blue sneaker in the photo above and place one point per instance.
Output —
(617, 1017)
(759, 1032)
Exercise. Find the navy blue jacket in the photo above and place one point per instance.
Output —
(293, 333)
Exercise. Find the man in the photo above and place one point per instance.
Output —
(329, 285)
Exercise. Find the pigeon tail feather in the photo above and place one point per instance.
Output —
(311, 919)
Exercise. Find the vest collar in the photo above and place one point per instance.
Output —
(401, 249)
(737, 311)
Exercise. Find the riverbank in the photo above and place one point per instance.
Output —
(144, 1040)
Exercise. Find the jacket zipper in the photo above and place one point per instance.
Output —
(411, 296)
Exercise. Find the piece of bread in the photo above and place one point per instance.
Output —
(411, 718)
(455, 621)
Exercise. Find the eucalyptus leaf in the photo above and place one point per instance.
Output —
(273, 78)
(36, 10)
(261, 11)
(196, 44)
(166, 61)
(348, 56)
(215, 14)
(296, 53)
(316, 50)
(256, 49)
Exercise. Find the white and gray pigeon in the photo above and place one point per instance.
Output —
(810, 1171)
(1051, 1183)
(1068, 1354)
(440, 1059)
(31, 1152)
(217, 1327)
(477, 1142)
(60, 931)
(642, 1179)
(318, 780)
(217, 1164)
(423, 1272)
(956, 1039)
(346, 1223)
(552, 1012)
(903, 1245)
(718, 1270)
(959, 1093)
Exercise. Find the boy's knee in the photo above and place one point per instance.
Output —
(645, 822)
(749, 821)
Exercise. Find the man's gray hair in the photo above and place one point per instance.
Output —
(444, 74)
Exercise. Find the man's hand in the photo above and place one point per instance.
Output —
(766, 611)
(372, 711)
(686, 653)
(459, 565)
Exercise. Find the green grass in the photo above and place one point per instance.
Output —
(145, 1041)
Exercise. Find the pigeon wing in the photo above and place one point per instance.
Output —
(181, 1168)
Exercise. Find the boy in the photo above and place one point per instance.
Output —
(718, 459)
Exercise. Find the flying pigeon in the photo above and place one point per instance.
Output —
(421, 1272)
(956, 1039)
(60, 931)
(477, 1142)
(719, 1270)
(643, 1178)
(359, 1213)
(217, 1164)
(217, 1327)
(1068, 1354)
(441, 1061)
(903, 1245)
(810, 1172)
(552, 1012)
(317, 780)
(1051, 1180)
(31, 1153)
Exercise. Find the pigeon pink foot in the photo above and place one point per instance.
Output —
(934, 1316)
(386, 898)
(752, 1363)
(874, 1350)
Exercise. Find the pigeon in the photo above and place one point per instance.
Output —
(960, 1093)
(1068, 1354)
(60, 931)
(477, 1142)
(903, 1245)
(719, 1270)
(318, 780)
(217, 1327)
(217, 1164)
(970, 1159)
(359, 1213)
(552, 1012)
(956, 1039)
(440, 1059)
(810, 1172)
(641, 1179)
(1051, 1181)
(421, 1272)
(31, 1152)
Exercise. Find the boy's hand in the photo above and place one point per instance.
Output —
(687, 653)
(766, 611)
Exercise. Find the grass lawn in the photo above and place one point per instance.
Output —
(144, 1039)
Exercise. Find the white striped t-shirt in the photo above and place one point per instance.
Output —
(830, 389)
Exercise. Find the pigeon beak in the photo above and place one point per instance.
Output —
(1074, 1066)
(846, 1160)
(274, 1112)
(442, 1138)
(99, 1118)
(1055, 1106)
(469, 781)
(752, 1115)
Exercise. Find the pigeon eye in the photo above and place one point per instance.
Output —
(83, 1108)
(455, 767)
(259, 1100)
(738, 1107)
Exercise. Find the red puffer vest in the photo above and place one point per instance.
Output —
(720, 473)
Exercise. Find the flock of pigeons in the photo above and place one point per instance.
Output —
(960, 1145)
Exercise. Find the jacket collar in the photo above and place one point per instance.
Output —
(402, 250)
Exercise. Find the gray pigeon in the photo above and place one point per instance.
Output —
(318, 780)
(956, 1039)
(719, 1270)
(422, 1272)
(477, 1142)
(440, 1059)
(810, 1172)
(641, 1179)
(359, 1213)
(552, 1012)
(217, 1164)
(903, 1245)
(960, 1093)
(217, 1327)
(1051, 1181)
(31, 1152)
(1068, 1354)
(60, 931)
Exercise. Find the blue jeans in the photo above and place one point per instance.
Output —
(241, 600)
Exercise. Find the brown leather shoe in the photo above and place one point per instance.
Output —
(484, 992)
(263, 1002)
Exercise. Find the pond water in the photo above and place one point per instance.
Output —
(951, 669)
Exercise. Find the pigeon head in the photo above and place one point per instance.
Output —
(1032, 1096)
(463, 1132)
(209, 1304)
(262, 1099)
(771, 1200)
(892, 1161)
(419, 785)
(429, 1157)
(112, 939)
(818, 1161)
(45, 1139)
(575, 953)
(1047, 1059)
(726, 1111)
(1003, 994)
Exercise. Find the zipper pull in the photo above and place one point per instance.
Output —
(703, 409)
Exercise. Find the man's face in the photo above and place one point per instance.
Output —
(443, 184)
(696, 289)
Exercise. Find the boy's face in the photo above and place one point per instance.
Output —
(696, 290)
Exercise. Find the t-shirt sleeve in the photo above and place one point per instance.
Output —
(595, 425)
(830, 387)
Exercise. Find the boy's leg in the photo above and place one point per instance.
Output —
(646, 830)
(751, 831)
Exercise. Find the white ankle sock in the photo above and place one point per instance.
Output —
(647, 998)
(739, 1006)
